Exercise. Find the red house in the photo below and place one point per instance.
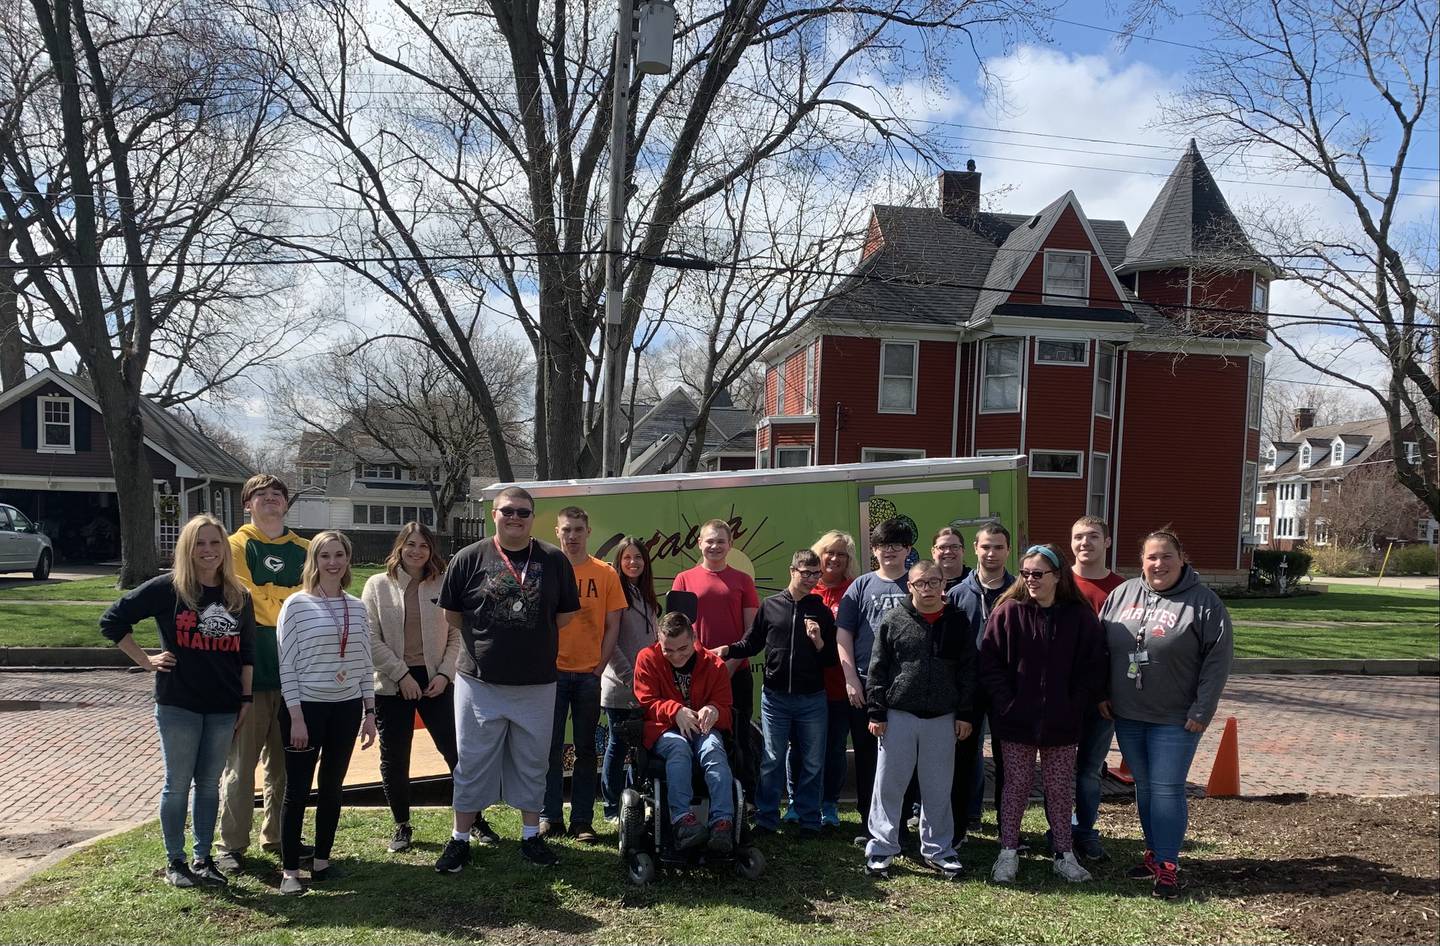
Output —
(1127, 368)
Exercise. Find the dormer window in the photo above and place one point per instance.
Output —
(1412, 451)
(1337, 453)
(1067, 278)
(1269, 453)
(1304, 456)
(57, 424)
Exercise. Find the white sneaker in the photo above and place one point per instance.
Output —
(878, 863)
(1068, 867)
(1007, 865)
(949, 864)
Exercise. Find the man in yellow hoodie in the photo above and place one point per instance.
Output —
(268, 561)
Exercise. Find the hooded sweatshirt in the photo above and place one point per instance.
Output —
(1186, 634)
(792, 664)
(1043, 668)
(921, 667)
(976, 600)
(270, 570)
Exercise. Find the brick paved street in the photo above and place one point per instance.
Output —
(98, 764)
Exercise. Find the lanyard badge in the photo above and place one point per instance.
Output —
(519, 576)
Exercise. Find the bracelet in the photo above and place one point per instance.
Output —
(247, 698)
(370, 711)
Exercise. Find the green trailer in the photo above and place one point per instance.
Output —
(775, 512)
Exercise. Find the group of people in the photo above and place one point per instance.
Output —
(267, 659)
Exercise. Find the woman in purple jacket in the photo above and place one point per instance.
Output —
(1042, 662)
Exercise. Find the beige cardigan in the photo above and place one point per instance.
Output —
(384, 599)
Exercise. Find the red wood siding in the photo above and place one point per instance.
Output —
(94, 462)
(1068, 234)
(772, 387)
(851, 379)
(1058, 413)
(874, 239)
(794, 383)
(1175, 471)
(793, 435)
(762, 438)
(1164, 286)
(964, 410)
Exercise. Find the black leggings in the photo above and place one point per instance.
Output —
(395, 718)
(333, 729)
(867, 756)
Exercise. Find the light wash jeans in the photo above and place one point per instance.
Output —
(680, 753)
(1096, 734)
(194, 747)
(792, 721)
(1159, 756)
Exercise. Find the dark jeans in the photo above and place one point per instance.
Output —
(612, 769)
(866, 755)
(395, 718)
(577, 695)
(967, 754)
(332, 730)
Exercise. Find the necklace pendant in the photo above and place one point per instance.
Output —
(518, 606)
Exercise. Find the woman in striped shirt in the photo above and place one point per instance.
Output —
(326, 679)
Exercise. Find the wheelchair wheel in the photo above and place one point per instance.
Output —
(632, 822)
(749, 863)
(640, 868)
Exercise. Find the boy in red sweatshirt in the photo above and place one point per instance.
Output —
(684, 691)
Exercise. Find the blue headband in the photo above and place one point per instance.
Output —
(1042, 550)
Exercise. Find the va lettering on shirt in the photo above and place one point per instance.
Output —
(214, 628)
(890, 600)
(1163, 618)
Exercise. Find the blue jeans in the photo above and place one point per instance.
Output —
(1095, 735)
(578, 696)
(612, 769)
(680, 753)
(194, 747)
(1159, 756)
(789, 720)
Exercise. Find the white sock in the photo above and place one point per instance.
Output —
(529, 831)
(460, 835)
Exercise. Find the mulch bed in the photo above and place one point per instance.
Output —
(1322, 868)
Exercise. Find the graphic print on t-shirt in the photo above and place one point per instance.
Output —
(502, 593)
(214, 628)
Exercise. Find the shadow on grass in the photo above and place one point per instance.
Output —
(1328, 876)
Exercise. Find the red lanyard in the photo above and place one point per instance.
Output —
(520, 575)
(344, 631)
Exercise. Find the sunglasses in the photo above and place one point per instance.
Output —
(806, 572)
(515, 512)
(1035, 575)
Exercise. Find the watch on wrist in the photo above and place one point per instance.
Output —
(247, 698)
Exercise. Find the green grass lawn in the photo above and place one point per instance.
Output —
(812, 892)
(104, 590)
(1347, 621)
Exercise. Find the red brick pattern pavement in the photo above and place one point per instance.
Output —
(99, 764)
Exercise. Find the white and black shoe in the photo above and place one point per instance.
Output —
(948, 867)
(878, 865)
(400, 840)
(453, 859)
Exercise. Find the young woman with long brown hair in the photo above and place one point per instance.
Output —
(617, 685)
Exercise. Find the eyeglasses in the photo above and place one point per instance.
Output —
(927, 583)
(807, 572)
(893, 547)
(515, 512)
(1035, 575)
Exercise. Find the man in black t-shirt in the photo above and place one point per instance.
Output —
(508, 596)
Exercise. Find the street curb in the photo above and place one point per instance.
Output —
(48, 658)
(14, 883)
(1365, 668)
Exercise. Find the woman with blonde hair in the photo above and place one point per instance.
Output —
(202, 682)
(327, 682)
(415, 650)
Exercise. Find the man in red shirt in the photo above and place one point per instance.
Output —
(726, 605)
(1090, 543)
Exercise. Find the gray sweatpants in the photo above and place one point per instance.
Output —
(910, 741)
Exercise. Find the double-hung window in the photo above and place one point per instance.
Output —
(57, 424)
(1000, 383)
(1105, 380)
(1099, 484)
(1067, 278)
(898, 371)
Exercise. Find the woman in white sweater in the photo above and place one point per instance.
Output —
(415, 652)
(326, 682)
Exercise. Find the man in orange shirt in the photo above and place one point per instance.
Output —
(585, 645)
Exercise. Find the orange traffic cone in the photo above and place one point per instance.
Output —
(1225, 774)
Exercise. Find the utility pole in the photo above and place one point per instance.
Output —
(656, 41)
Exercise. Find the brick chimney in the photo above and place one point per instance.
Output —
(960, 194)
(1304, 418)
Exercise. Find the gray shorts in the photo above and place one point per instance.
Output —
(502, 736)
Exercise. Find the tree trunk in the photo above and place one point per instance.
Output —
(134, 488)
(12, 351)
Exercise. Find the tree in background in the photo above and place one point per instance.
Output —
(1341, 89)
(1332, 405)
(136, 148)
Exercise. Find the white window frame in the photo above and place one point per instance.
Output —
(1255, 401)
(1084, 344)
(1079, 456)
(1247, 497)
(793, 447)
(1269, 454)
(1064, 299)
(1305, 456)
(809, 399)
(1337, 453)
(1260, 296)
(997, 452)
(867, 454)
(41, 424)
(1097, 460)
(1103, 383)
(1262, 531)
(1412, 451)
(914, 347)
(780, 389)
(1019, 376)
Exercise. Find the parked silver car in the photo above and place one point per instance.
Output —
(23, 547)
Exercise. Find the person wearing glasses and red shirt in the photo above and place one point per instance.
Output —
(509, 596)
(1043, 663)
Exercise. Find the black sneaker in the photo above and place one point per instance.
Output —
(230, 862)
(454, 858)
(400, 840)
(690, 833)
(1091, 850)
(482, 833)
(207, 873)
(177, 874)
(537, 852)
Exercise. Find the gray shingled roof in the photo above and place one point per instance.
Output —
(173, 436)
(1014, 255)
(1374, 430)
(1189, 222)
(729, 427)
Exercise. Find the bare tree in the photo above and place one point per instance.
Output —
(508, 114)
(1368, 506)
(1331, 404)
(401, 398)
(1340, 89)
(132, 163)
